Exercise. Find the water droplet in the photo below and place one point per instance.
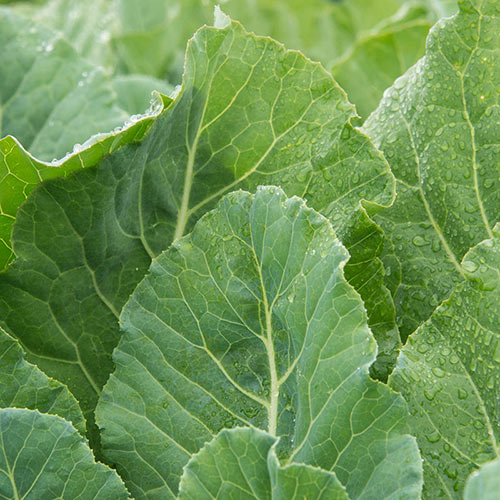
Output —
(433, 437)
(470, 266)
(418, 241)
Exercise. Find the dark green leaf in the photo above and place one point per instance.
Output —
(25, 386)
(250, 321)
(438, 127)
(43, 456)
(250, 112)
(241, 463)
(449, 372)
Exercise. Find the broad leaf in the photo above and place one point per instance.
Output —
(25, 386)
(449, 372)
(438, 127)
(121, 32)
(51, 98)
(249, 321)
(249, 112)
(242, 463)
(43, 456)
(73, 101)
(484, 484)
(324, 30)
(20, 172)
(369, 44)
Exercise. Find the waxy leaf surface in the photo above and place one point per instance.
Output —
(249, 321)
(51, 98)
(485, 483)
(43, 456)
(20, 172)
(449, 373)
(241, 463)
(25, 386)
(51, 101)
(439, 129)
(250, 113)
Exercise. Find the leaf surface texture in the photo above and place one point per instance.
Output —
(449, 374)
(438, 128)
(243, 118)
(249, 321)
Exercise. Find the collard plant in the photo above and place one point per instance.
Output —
(240, 293)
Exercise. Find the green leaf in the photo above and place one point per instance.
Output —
(90, 28)
(249, 321)
(381, 38)
(449, 373)
(484, 484)
(249, 112)
(441, 8)
(324, 30)
(126, 30)
(159, 29)
(68, 110)
(50, 98)
(43, 456)
(25, 386)
(20, 172)
(438, 127)
(241, 463)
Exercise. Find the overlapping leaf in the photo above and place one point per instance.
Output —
(242, 463)
(25, 386)
(121, 32)
(51, 98)
(484, 484)
(249, 321)
(438, 127)
(20, 172)
(43, 456)
(250, 112)
(449, 372)
(380, 38)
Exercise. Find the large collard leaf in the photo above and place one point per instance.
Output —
(450, 372)
(43, 456)
(383, 35)
(485, 483)
(367, 45)
(242, 463)
(122, 31)
(25, 386)
(249, 321)
(20, 172)
(438, 127)
(51, 98)
(249, 112)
